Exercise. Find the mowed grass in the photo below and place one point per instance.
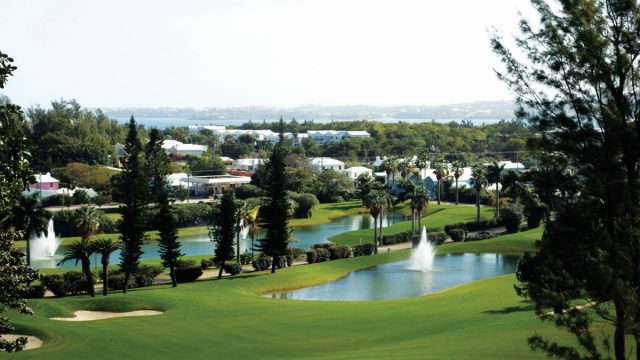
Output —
(228, 319)
(437, 217)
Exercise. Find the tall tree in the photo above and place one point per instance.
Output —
(422, 201)
(29, 215)
(156, 165)
(478, 181)
(222, 231)
(579, 87)
(133, 187)
(168, 243)
(81, 251)
(15, 174)
(105, 247)
(86, 221)
(442, 172)
(409, 190)
(457, 169)
(276, 219)
(243, 211)
(374, 201)
(495, 173)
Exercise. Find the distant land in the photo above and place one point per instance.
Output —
(475, 111)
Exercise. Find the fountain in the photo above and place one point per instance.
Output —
(44, 246)
(422, 256)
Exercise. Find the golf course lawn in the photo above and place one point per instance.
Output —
(228, 318)
(437, 217)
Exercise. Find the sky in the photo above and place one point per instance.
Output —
(280, 53)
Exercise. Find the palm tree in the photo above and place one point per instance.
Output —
(87, 222)
(363, 185)
(253, 225)
(409, 191)
(29, 216)
(422, 200)
(387, 203)
(406, 168)
(422, 162)
(390, 167)
(442, 172)
(105, 247)
(81, 251)
(243, 213)
(511, 183)
(478, 180)
(457, 170)
(375, 201)
(494, 176)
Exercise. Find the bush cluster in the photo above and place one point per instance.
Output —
(457, 234)
(206, 264)
(35, 291)
(402, 237)
(232, 267)
(188, 274)
(306, 203)
(362, 250)
(64, 223)
(481, 236)
(69, 283)
(143, 277)
(317, 255)
(512, 217)
(261, 262)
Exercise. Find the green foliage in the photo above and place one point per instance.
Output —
(534, 211)
(222, 232)
(262, 262)
(57, 200)
(483, 235)
(332, 186)
(69, 283)
(362, 250)
(511, 217)
(207, 164)
(206, 264)
(83, 175)
(36, 291)
(339, 252)
(457, 234)
(318, 255)
(402, 237)
(168, 230)
(232, 268)
(247, 191)
(188, 274)
(80, 197)
(306, 203)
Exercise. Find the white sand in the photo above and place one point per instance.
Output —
(83, 315)
(32, 341)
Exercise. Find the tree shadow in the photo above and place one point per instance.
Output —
(526, 307)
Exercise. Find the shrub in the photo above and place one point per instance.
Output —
(246, 258)
(64, 223)
(391, 239)
(184, 264)
(339, 252)
(512, 216)
(306, 203)
(534, 211)
(297, 252)
(481, 236)
(75, 283)
(326, 245)
(35, 291)
(261, 262)
(232, 267)
(57, 200)
(207, 264)
(318, 255)
(56, 284)
(80, 197)
(246, 191)
(362, 250)
(116, 281)
(437, 237)
(188, 274)
(483, 224)
(143, 277)
(457, 234)
(449, 227)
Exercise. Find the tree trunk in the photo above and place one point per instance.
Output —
(478, 206)
(457, 203)
(86, 268)
(618, 336)
(220, 271)
(413, 221)
(439, 190)
(126, 282)
(28, 250)
(497, 201)
(238, 245)
(420, 220)
(172, 273)
(375, 235)
(380, 232)
(273, 265)
(105, 279)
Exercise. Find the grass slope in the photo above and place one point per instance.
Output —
(435, 220)
(227, 319)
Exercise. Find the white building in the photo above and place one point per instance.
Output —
(326, 163)
(215, 184)
(355, 171)
(248, 165)
(326, 136)
(176, 147)
(195, 129)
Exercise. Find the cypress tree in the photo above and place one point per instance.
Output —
(133, 187)
(168, 243)
(276, 217)
(223, 230)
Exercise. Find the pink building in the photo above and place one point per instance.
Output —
(46, 181)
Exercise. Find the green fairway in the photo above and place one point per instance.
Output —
(228, 319)
(437, 217)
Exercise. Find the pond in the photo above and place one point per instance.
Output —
(304, 237)
(395, 280)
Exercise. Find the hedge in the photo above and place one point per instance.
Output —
(457, 234)
(362, 250)
(188, 274)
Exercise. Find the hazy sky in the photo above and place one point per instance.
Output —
(255, 52)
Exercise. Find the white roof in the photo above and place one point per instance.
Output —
(226, 159)
(511, 165)
(247, 162)
(168, 144)
(46, 178)
(187, 147)
(326, 161)
(219, 179)
(356, 169)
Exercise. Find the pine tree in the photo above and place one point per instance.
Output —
(222, 231)
(168, 242)
(276, 212)
(133, 187)
(156, 165)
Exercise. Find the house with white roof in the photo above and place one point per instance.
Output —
(45, 182)
(326, 136)
(179, 148)
(355, 171)
(326, 163)
(248, 165)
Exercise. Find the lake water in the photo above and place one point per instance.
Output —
(394, 280)
(304, 237)
(162, 123)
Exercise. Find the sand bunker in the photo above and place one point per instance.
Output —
(32, 341)
(83, 315)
